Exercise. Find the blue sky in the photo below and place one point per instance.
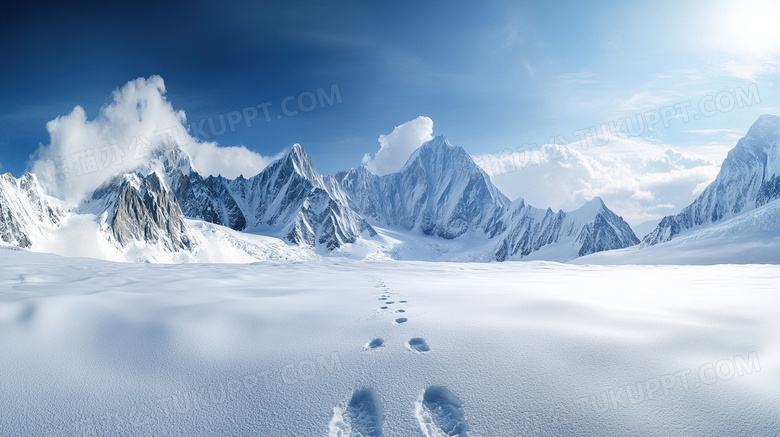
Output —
(491, 76)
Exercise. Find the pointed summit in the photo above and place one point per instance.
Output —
(595, 205)
(438, 150)
(297, 160)
(438, 142)
(440, 191)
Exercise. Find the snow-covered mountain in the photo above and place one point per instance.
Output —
(26, 212)
(288, 199)
(749, 178)
(441, 191)
(752, 237)
(591, 228)
(166, 211)
(136, 209)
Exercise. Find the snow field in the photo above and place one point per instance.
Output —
(97, 348)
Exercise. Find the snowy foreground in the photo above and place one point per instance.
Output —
(504, 349)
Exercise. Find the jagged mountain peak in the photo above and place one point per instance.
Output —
(25, 210)
(439, 142)
(766, 127)
(440, 192)
(298, 160)
(749, 178)
(167, 159)
(594, 205)
(136, 208)
(438, 158)
(563, 235)
(596, 201)
(288, 199)
(438, 151)
(28, 179)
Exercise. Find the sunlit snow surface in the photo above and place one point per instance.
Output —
(305, 349)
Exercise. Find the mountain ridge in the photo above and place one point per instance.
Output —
(439, 193)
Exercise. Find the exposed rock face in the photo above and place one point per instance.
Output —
(201, 198)
(208, 199)
(150, 214)
(748, 178)
(142, 209)
(25, 209)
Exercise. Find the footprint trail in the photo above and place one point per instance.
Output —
(440, 413)
(361, 417)
(418, 345)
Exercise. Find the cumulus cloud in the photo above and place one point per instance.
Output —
(396, 147)
(84, 153)
(230, 162)
(638, 179)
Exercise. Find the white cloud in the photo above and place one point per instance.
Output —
(645, 100)
(230, 162)
(80, 157)
(395, 148)
(714, 131)
(638, 179)
(751, 67)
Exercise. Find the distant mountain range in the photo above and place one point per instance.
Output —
(439, 206)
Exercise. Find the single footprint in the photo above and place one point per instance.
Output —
(400, 311)
(402, 301)
(390, 302)
(382, 308)
(382, 298)
(440, 413)
(361, 417)
(374, 344)
(419, 345)
(401, 320)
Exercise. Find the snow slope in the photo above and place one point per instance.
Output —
(752, 237)
(80, 235)
(322, 348)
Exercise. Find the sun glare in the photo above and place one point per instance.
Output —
(749, 27)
